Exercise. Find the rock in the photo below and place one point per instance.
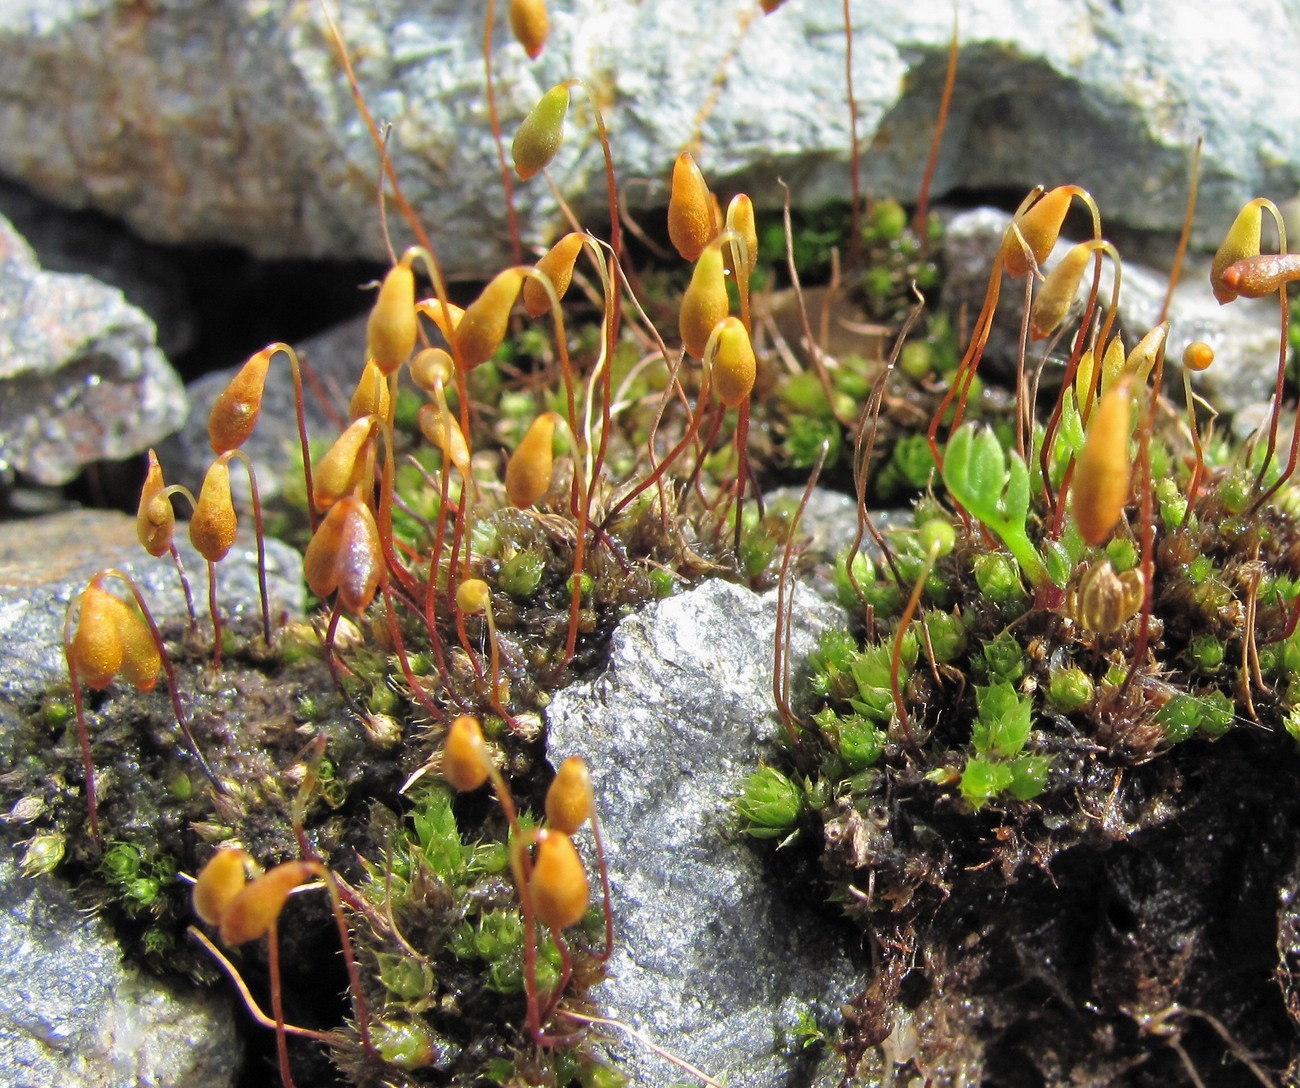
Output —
(232, 122)
(1244, 334)
(712, 959)
(77, 1016)
(81, 379)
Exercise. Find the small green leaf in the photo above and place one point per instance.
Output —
(983, 780)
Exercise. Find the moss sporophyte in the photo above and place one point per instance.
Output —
(1087, 590)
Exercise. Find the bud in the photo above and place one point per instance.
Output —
(734, 366)
(559, 884)
(528, 471)
(538, 138)
(254, 910)
(690, 209)
(345, 555)
(392, 328)
(213, 524)
(234, 413)
(557, 265)
(530, 25)
(705, 302)
(465, 761)
(483, 326)
(155, 520)
(568, 800)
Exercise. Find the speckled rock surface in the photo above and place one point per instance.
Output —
(712, 960)
(232, 122)
(81, 378)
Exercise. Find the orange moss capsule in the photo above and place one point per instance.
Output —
(370, 398)
(439, 426)
(557, 265)
(483, 326)
(1056, 295)
(345, 555)
(559, 884)
(97, 649)
(530, 25)
(1198, 355)
(705, 302)
(734, 366)
(1040, 226)
(346, 464)
(465, 761)
(155, 520)
(141, 658)
(1241, 241)
(213, 524)
(691, 225)
(445, 316)
(392, 328)
(1101, 478)
(568, 800)
(538, 138)
(253, 911)
(1264, 274)
(219, 882)
(234, 413)
(529, 469)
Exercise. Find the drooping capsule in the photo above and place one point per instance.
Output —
(734, 365)
(704, 303)
(690, 209)
(483, 326)
(559, 883)
(1101, 477)
(213, 524)
(568, 799)
(235, 411)
(530, 25)
(539, 136)
(1241, 241)
(155, 520)
(1040, 226)
(465, 762)
(529, 469)
(345, 554)
(223, 877)
(252, 912)
(557, 265)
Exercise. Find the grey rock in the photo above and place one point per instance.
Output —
(81, 379)
(712, 960)
(71, 1013)
(230, 121)
(1244, 334)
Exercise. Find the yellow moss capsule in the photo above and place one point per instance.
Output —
(530, 25)
(557, 265)
(1056, 295)
(559, 885)
(97, 650)
(538, 138)
(465, 761)
(370, 398)
(155, 520)
(141, 660)
(234, 413)
(345, 555)
(483, 326)
(1040, 226)
(734, 366)
(691, 225)
(213, 524)
(529, 469)
(1101, 476)
(1142, 359)
(439, 426)
(568, 800)
(253, 911)
(1198, 355)
(473, 596)
(1112, 363)
(345, 464)
(740, 219)
(431, 369)
(1241, 241)
(705, 302)
(219, 881)
(392, 328)
(446, 317)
